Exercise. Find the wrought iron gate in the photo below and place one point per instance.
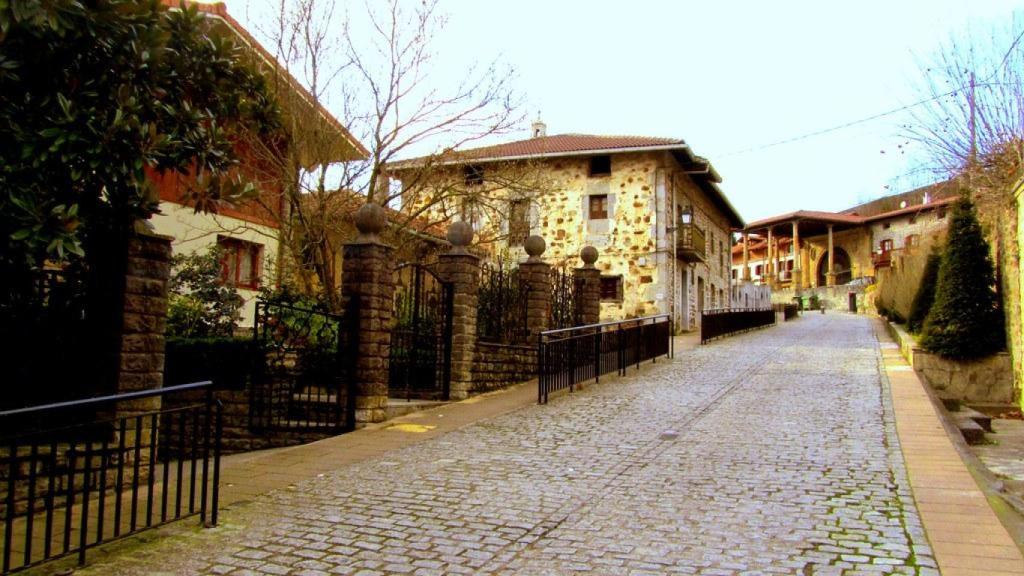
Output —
(300, 381)
(420, 358)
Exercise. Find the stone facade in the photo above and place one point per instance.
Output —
(645, 191)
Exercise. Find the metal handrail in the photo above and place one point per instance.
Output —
(591, 327)
(104, 399)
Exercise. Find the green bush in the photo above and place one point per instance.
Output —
(925, 295)
(199, 304)
(225, 361)
(965, 320)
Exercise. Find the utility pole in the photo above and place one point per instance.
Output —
(973, 154)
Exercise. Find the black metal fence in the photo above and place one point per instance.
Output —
(420, 358)
(501, 306)
(299, 373)
(788, 311)
(564, 300)
(569, 356)
(74, 481)
(726, 321)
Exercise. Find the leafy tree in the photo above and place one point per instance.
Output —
(965, 321)
(200, 304)
(93, 95)
(925, 295)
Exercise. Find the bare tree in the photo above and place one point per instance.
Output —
(972, 120)
(372, 63)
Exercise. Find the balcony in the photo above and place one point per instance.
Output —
(884, 259)
(690, 244)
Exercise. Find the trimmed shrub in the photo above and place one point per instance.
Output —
(225, 361)
(965, 320)
(925, 295)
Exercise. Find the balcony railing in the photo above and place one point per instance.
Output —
(690, 243)
(884, 259)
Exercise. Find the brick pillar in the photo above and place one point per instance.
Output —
(462, 269)
(587, 282)
(144, 318)
(535, 276)
(368, 287)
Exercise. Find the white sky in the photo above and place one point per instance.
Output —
(725, 77)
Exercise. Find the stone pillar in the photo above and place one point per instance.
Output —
(535, 274)
(746, 257)
(830, 275)
(144, 318)
(462, 270)
(368, 287)
(798, 257)
(587, 282)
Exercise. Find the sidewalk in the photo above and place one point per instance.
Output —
(965, 534)
(245, 476)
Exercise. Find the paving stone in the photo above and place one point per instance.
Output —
(781, 459)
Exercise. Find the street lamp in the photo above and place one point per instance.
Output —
(686, 216)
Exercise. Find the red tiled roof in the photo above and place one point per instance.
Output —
(566, 143)
(558, 145)
(911, 209)
(844, 218)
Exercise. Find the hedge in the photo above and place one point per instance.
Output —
(226, 361)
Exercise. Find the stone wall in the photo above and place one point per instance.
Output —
(984, 381)
(500, 365)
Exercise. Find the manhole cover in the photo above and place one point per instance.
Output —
(669, 435)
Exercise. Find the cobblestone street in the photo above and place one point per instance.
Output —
(772, 452)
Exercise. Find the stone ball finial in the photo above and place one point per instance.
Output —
(370, 220)
(589, 256)
(460, 234)
(535, 246)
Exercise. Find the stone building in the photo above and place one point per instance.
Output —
(652, 208)
(805, 250)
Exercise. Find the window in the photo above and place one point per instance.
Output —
(912, 240)
(733, 273)
(240, 262)
(611, 288)
(885, 226)
(474, 174)
(518, 222)
(886, 245)
(598, 207)
(757, 270)
(600, 166)
(942, 213)
(913, 219)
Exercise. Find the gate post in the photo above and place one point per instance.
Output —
(367, 288)
(535, 274)
(462, 270)
(587, 282)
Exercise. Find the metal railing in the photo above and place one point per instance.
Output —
(569, 356)
(75, 480)
(789, 311)
(727, 321)
(691, 244)
(501, 306)
(299, 374)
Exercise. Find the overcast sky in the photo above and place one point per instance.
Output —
(728, 78)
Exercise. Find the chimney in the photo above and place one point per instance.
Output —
(539, 129)
(927, 198)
